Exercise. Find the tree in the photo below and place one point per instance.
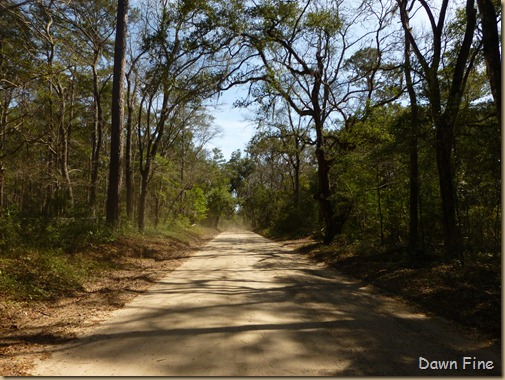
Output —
(302, 49)
(16, 67)
(220, 204)
(491, 48)
(444, 106)
(117, 132)
(413, 151)
(275, 195)
(134, 81)
(180, 77)
(277, 120)
(92, 25)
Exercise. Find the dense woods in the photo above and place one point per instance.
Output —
(378, 122)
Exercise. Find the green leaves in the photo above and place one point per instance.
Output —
(37, 275)
(325, 21)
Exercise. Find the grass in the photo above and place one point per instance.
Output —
(49, 296)
(36, 275)
(67, 258)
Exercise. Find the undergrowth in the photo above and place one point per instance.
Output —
(43, 259)
(42, 275)
(470, 295)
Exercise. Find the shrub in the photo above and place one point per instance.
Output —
(42, 275)
(10, 236)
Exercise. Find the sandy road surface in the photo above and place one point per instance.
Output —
(246, 306)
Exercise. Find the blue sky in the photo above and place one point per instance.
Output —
(236, 131)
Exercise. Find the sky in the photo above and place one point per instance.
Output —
(236, 131)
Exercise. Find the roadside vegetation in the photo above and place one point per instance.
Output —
(470, 296)
(49, 294)
(65, 258)
(378, 135)
(388, 154)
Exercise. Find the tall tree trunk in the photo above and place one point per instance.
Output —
(445, 115)
(323, 164)
(158, 206)
(296, 161)
(334, 220)
(323, 197)
(128, 153)
(443, 145)
(52, 159)
(414, 181)
(413, 156)
(445, 124)
(151, 148)
(491, 42)
(96, 137)
(144, 180)
(116, 145)
(4, 104)
(2, 174)
(297, 166)
(64, 136)
(379, 208)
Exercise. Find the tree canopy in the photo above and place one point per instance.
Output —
(377, 121)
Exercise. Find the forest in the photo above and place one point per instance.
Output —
(378, 124)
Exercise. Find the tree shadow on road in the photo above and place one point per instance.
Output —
(278, 315)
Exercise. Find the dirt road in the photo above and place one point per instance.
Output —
(245, 306)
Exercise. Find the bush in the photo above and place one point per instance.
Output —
(34, 263)
(42, 275)
(10, 232)
(81, 233)
(68, 234)
(296, 221)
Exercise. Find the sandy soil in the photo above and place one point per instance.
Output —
(30, 330)
(245, 306)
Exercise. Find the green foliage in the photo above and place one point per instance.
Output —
(478, 180)
(370, 174)
(239, 168)
(67, 234)
(220, 203)
(179, 231)
(295, 220)
(46, 274)
(274, 12)
(55, 105)
(10, 232)
(196, 205)
(326, 21)
(35, 275)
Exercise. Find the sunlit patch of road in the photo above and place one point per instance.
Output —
(246, 306)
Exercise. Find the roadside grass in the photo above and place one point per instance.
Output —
(58, 262)
(469, 295)
(181, 233)
(51, 292)
(43, 275)
(42, 259)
